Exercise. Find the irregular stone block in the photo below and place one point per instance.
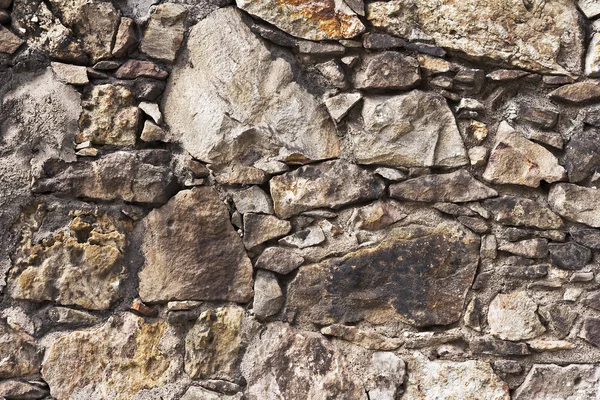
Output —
(116, 361)
(192, 252)
(366, 339)
(268, 298)
(397, 131)
(517, 211)
(418, 274)
(133, 69)
(125, 38)
(550, 381)
(280, 259)
(577, 93)
(512, 316)
(331, 184)
(164, 32)
(569, 256)
(20, 356)
(9, 42)
(387, 70)
(582, 155)
(576, 203)
(243, 99)
(260, 228)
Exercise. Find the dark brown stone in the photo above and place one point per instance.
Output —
(545, 119)
(582, 155)
(498, 347)
(591, 331)
(569, 256)
(577, 93)
(419, 273)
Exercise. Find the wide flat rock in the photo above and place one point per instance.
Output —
(419, 274)
(229, 98)
(192, 252)
(550, 381)
(517, 211)
(543, 36)
(576, 203)
(398, 131)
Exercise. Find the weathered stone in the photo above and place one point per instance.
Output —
(81, 265)
(378, 215)
(478, 156)
(20, 355)
(331, 184)
(545, 119)
(512, 316)
(319, 370)
(385, 375)
(333, 72)
(125, 38)
(70, 316)
(213, 347)
(95, 23)
(517, 211)
(453, 380)
(199, 393)
(577, 93)
(338, 106)
(133, 69)
(260, 228)
(587, 237)
(116, 361)
(530, 248)
(242, 99)
(590, 8)
(23, 390)
(268, 298)
(9, 42)
(368, 340)
(504, 75)
(152, 132)
(474, 314)
(398, 132)
(311, 236)
(387, 70)
(73, 74)
(192, 252)
(311, 20)
(590, 331)
(508, 366)
(572, 294)
(391, 174)
(475, 224)
(381, 41)
(164, 32)
(458, 186)
(526, 271)
(152, 110)
(419, 274)
(142, 176)
(417, 340)
(320, 48)
(252, 200)
(454, 209)
(550, 381)
(516, 160)
(109, 117)
(280, 259)
(569, 256)
(497, 347)
(576, 203)
(469, 28)
(582, 155)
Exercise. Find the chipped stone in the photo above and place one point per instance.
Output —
(280, 259)
(513, 316)
(339, 106)
(268, 298)
(164, 32)
(387, 70)
(576, 203)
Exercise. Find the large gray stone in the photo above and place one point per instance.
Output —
(532, 35)
(192, 252)
(164, 32)
(399, 131)
(419, 274)
(517, 211)
(331, 184)
(576, 203)
(513, 317)
(20, 356)
(387, 70)
(229, 98)
(550, 381)
(582, 155)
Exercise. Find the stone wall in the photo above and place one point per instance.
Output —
(299, 199)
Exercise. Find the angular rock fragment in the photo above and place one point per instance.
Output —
(378, 215)
(471, 28)
(20, 355)
(368, 340)
(252, 200)
(569, 256)
(582, 155)
(589, 238)
(9, 42)
(164, 32)
(419, 274)
(331, 184)
(550, 381)
(213, 347)
(280, 259)
(385, 375)
(311, 19)
(590, 331)
(137, 176)
(513, 316)
(14, 389)
(453, 380)
(590, 8)
(397, 131)
(117, 360)
(73, 74)
(229, 98)
(577, 93)
(338, 106)
(311, 236)
(241, 175)
(515, 160)
(133, 69)
(517, 211)
(109, 117)
(268, 298)
(152, 132)
(192, 252)
(125, 38)
(458, 186)
(319, 370)
(333, 72)
(260, 228)
(387, 70)
(81, 265)
(530, 248)
(497, 347)
(576, 203)
(545, 119)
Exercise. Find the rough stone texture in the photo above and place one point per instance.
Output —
(125, 38)
(577, 93)
(260, 228)
(424, 285)
(164, 32)
(516, 211)
(280, 259)
(550, 381)
(513, 316)
(116, 360)
(368, 340)
(569, 256)
(9, 42)
(457, 186)
(20, 355)
(453, 380)
(312, 20)
(518, 161)
(268, 298)
(582, 155)
(240, 105)
(576, 203)
(109, 117)
(192, 252)
(535, 36)
(331, 184)
(387, 70)
(319, 371)
(397, 131)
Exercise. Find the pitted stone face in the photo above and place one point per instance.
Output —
(420, 275)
